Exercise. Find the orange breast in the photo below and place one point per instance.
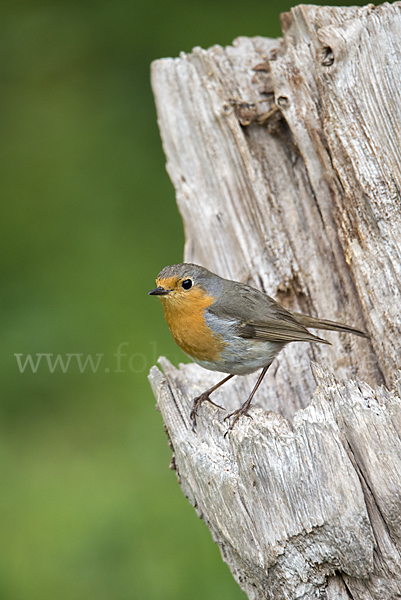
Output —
(185, 317)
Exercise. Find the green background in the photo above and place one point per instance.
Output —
(88, 506)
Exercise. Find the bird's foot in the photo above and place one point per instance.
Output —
(237, 414)
(205, 397)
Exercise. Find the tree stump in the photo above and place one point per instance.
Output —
(285, 156)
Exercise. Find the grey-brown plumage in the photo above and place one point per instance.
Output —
(260, 317)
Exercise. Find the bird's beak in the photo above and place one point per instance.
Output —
(159, 291)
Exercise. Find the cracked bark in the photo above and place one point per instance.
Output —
(285, 158)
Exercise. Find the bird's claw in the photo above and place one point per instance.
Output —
(237, 414)
(197, 402)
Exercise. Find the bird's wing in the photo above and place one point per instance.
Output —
(277, 330)
(260, 317)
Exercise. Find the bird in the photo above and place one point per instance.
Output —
(230, 327)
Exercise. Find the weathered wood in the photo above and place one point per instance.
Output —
(291, 504)
(285, 156)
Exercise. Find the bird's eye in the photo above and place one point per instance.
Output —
(187, 284)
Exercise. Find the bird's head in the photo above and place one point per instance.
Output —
(185, 284)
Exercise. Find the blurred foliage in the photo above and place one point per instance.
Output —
(88, 507)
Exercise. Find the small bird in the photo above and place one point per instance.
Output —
(231, 327)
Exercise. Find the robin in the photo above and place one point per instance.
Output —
(230, 327)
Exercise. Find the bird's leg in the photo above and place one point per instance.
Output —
(205, 397)
(247, 404)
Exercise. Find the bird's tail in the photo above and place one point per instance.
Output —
(325, 324)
